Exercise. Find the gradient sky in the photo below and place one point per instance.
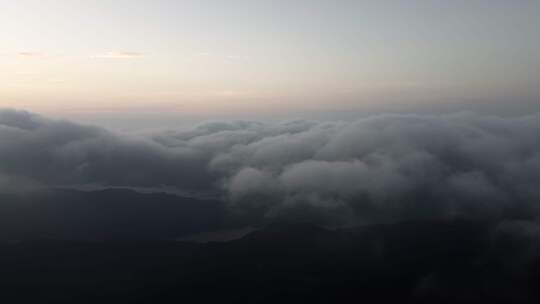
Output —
(220, 56)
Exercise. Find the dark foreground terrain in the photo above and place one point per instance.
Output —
(430, 262)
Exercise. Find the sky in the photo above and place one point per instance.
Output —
(73, 58)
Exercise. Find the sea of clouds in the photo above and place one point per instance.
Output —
(378, 168)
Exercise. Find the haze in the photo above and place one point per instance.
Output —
(112, 58)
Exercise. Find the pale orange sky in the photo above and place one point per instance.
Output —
(204, 57)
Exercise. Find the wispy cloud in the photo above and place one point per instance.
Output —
(119, 55)
(30, 54)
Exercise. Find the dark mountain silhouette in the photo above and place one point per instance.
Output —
(111, 214)
(414, 262)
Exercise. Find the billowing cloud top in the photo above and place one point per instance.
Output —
(374, 169)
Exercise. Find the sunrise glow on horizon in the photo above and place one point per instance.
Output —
(208, 56)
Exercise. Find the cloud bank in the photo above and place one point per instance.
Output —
(380, 168)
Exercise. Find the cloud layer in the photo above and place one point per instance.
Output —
(379, 168)
(120, 55)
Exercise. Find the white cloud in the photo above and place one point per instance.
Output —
(393, 166)
(120, 55)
